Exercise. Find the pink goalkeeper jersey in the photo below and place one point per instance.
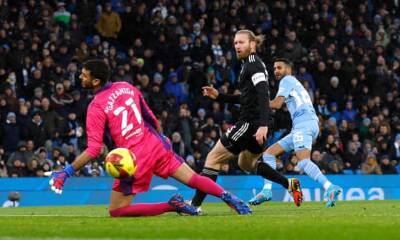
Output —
(121, 108)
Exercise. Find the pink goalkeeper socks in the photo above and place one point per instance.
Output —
(142, 209)
(205, 185)
(201, 183)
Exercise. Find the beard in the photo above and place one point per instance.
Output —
(245, 53)
(87, 85)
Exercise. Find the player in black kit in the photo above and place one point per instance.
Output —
(247, 137)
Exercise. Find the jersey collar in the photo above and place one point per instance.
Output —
(251, 57)
(105, 87)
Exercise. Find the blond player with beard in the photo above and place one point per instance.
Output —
(247, 137)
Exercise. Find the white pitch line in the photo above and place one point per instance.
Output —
(47, 215)
(62, 238)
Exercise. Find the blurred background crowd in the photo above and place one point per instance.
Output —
(346, 54)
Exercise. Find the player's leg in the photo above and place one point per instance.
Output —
(303, 137)
(312, 170)
(218, 155)
(269, 158)
(252, 150)
(266, 171)
(247, 160)
(120, 206)
(187, 176)
(124, 190)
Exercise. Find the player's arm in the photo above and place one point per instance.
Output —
(259, 77)
(260, 82)
(277, 103)
(81, 161)
(95, 124)
(285, 87)
(228, 98)
(211, 92)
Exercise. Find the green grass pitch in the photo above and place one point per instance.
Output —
(348, 220)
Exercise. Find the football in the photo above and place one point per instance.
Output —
(120, 163)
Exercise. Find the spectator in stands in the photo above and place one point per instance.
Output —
(396, 149)
(18, 168)
(157, 98)
(345, 132)
(349, 113)
(42, 158)
(50, 117)
(37, 131)
(335, 91)
(386, 166)
(79, 105)
(304, 76)
(60, 100)
(184, 125)
(190, 160)
(179, 146)
(32, 167)
(3, 165)
(23, 120)
(322, 107)
(317, 158)
(209, 126)
(175, 88)
(61, 162)
(352, 157)
(19, 154)
(334, 112)
(72, 130)
(62, 15)
(371, 166)
(10, 133)
(109, 23)
(334, 160)
(290, 167)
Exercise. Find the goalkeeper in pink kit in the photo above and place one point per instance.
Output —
(121, 109)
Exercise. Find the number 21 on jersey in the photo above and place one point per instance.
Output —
(123, 111)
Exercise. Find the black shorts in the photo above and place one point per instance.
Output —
(241, 137)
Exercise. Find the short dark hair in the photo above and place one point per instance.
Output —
(98, 69)
(284, 60)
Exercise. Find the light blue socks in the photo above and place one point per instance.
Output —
(314, 172)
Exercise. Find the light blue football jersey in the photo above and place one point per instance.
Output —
(297, 100)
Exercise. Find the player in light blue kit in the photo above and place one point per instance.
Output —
(304, 131)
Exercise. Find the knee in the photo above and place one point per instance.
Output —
(114, 213)
(116, 210)
(247, 166)
(242, 165)
(269, 152)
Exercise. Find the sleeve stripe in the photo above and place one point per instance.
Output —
(258, 77)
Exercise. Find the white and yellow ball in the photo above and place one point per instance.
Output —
(120, 163)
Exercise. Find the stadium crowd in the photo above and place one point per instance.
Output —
(346, 53)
